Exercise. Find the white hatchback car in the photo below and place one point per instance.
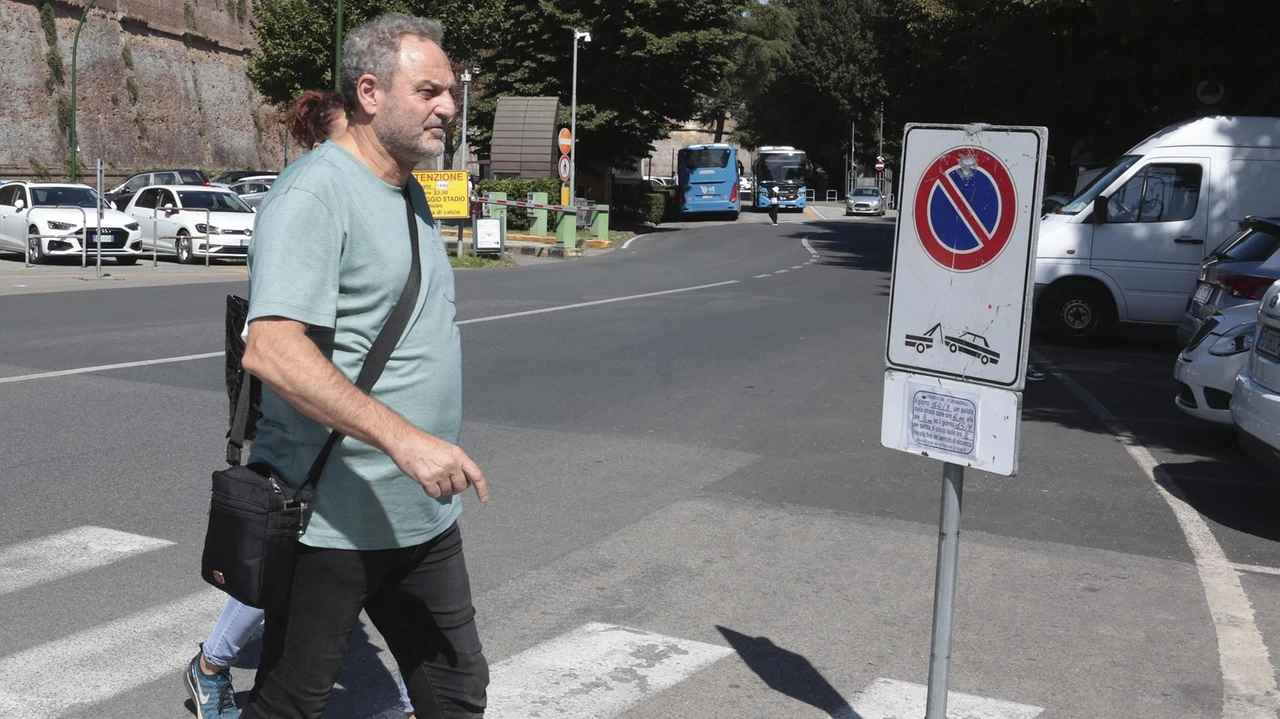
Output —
(1255, 402)
(47, 219)
(193, 221)
(1206, 370)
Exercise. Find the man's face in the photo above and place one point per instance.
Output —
(418, 102)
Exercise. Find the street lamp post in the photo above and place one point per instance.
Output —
(466, 94)
(75, 46)
(573, 118)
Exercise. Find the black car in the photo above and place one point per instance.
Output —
(1240, 271)
(121, 195)
(231, 177)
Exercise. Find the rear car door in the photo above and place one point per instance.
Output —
(1153, 240)
(144, 211)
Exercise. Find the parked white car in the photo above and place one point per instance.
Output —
(1206, 370)
(1255, 401)
(46, 219)
(193, 221)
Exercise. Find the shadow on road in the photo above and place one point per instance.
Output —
(789, 673)
(854, 245)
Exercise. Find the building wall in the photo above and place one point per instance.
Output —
(161, 83)
(662, 161)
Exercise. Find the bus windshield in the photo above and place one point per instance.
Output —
(781, 168)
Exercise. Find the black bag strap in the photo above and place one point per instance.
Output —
(374, 363)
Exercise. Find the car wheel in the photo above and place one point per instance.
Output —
(984, 359)
(1077, 313)
(126, 260)
(182, 246)
(953, 348)
(920, 349)
(35, 247)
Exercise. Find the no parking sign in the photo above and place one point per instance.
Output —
(960, 306)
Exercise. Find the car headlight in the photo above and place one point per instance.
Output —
(207, 229)
(132, 226)
(55, 225)
(1235, 341)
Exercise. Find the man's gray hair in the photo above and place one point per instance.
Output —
(374, 48)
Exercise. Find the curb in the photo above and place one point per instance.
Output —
(592, 243)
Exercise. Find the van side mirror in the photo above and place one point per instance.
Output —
(1099, 210)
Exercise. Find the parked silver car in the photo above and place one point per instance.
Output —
(865, 201)
(253, 189)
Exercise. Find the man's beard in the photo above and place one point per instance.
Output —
(406, 141)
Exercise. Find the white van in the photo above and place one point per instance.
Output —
(1129, 247)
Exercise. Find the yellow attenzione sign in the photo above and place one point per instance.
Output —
(446, 193)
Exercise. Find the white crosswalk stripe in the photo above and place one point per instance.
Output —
(34, 683)
(891, 699)
(61, 555)
(597, 670)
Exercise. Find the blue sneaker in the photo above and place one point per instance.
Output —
(213, 696)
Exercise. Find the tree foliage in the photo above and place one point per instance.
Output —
(295, 37)
(833, 80)
(648, 62)
(766, 34)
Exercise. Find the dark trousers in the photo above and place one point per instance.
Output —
(773, 212)
(419, 598)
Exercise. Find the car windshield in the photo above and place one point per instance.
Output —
(1100, 183)
(866, 192)
(215, 201)
(697, 159)
(63, 197)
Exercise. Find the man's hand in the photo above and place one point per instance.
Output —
(441, 468)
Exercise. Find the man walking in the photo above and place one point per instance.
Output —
(772, 193)
(329, 258)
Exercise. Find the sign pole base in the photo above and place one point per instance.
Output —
(944, 591)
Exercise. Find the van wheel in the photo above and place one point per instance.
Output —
(1077, 313)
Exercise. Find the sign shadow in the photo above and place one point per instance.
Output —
(789, 673)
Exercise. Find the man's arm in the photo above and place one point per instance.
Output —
(281, 355)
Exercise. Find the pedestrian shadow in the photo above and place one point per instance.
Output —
(789, 673)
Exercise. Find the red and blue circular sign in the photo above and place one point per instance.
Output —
(965, 209)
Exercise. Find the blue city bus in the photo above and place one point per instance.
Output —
(783, 169)
(708, 179)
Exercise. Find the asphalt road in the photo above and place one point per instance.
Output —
(682, 437)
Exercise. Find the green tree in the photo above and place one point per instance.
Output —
(766, 36)
(833, 80)
(649, 62)
(295, 37)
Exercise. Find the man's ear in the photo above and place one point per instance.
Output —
(368, 94)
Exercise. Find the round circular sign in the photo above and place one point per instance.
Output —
(879, 165)
(1210, 92)
(564, 141)
(562, 167)
(965, 209)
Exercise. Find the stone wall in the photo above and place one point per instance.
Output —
(161, 84)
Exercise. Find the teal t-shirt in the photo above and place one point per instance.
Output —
(331, 249)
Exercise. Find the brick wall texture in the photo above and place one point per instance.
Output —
(161, 84)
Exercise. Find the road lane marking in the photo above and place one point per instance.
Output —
(58, 677)
(797, 267)
(61, 555)
(805, 241)
(1256, 569)
(561, 308)
(597, 670)
(210, 355)
(891, 699)
(1248, 678)
(105, 367)
(761, 277)
(627, 244)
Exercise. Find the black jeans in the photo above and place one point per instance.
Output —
(773, 212)
(419, 598)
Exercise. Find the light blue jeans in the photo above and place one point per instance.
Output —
(236, 626)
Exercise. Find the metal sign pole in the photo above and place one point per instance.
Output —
(101, 170)
(944, 590)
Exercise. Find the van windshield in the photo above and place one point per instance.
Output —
(1100, 183)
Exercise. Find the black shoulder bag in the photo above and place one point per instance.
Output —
(255, 518)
